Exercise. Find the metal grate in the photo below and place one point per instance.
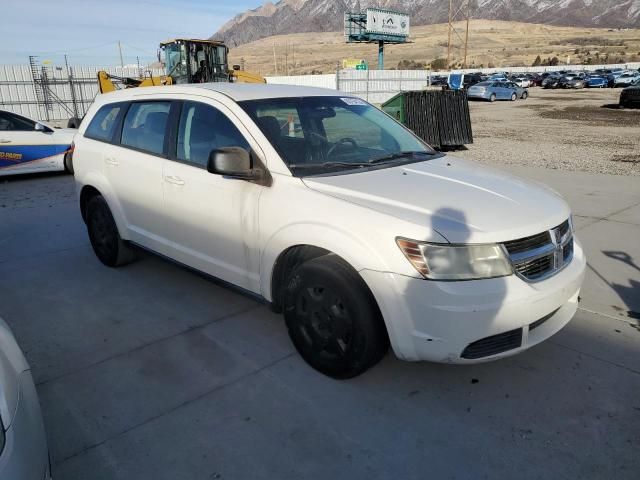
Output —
(493, 345)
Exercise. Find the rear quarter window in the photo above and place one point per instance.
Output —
(104, 122)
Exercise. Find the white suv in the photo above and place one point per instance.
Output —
(334, 213)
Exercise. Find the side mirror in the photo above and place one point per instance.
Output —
(234, 162)
(39, 127)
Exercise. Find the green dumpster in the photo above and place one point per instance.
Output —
(440, 117)
(395, 107)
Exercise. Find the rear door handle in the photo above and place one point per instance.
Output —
(4, 140)
(111, 161)
(174, 180)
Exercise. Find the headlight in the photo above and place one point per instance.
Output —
(456, 262)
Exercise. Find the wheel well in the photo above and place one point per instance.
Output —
(285, 264)
(86, 194)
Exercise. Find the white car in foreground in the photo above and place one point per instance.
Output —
(28, 146)
(335, 213)
(23, 444)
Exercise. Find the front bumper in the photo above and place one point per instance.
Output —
(25, 455)
(437, 321)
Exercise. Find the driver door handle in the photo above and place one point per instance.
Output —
(173, 179)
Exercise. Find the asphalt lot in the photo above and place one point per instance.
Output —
(152, 371)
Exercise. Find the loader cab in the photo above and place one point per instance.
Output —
(195, 61)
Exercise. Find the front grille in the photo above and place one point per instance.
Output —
(493, 345)
(535, 268)
(542, 255)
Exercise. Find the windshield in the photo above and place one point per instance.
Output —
(318, 135)
(174, 59)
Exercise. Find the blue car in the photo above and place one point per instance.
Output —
(493, 91)
(597, 82)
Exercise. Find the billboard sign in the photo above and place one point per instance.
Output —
(386, 22)
(355, 64)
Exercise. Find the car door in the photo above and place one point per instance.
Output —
(213, 220)
(24, 149)
(133, 167)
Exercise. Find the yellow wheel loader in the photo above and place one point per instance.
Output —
(186, 61)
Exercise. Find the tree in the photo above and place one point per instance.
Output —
(537, 62)
(439, 64)
(554, 61)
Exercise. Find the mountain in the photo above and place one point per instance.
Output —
(299, 16)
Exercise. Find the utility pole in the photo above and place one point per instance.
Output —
(449, 45)
(275, 60)
(459, 10)
(120, 50)
(466, 36)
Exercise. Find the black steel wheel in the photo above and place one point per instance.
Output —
(107, 244)
(332, 318)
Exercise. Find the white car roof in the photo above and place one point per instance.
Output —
(236, 91)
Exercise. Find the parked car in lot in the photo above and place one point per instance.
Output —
(23, 444)
(630, 96)
(523, 82)
(574, 82)
(596, 82)
(552, 81)
(521, 92)
(494, 90)
(352, 226)
(28, 146)
(626, 79)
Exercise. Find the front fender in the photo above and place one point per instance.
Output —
(352, 249)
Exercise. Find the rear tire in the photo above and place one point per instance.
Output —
(333, 319)
(514, 97)
(105, 239)
(73, 122)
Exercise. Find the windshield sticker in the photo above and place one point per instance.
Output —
(353, 101)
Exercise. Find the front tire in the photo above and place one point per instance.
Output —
(333, 319)
(68, 164)
(105, 239)
(492, 98)
(525, 95)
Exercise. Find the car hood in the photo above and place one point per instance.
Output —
(463, 201)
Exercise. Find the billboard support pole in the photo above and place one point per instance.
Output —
(381, 55)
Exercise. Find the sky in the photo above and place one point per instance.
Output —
(88, 31)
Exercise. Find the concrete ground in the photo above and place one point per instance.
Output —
(152, 371)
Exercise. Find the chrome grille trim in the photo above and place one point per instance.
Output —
(541, 256)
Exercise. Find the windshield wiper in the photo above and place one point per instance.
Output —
(385, 158)
(399, 155)
(329, 164)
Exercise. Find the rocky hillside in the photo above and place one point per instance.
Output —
(299, 16)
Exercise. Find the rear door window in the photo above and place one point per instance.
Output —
(103, 123)
(145, 126)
